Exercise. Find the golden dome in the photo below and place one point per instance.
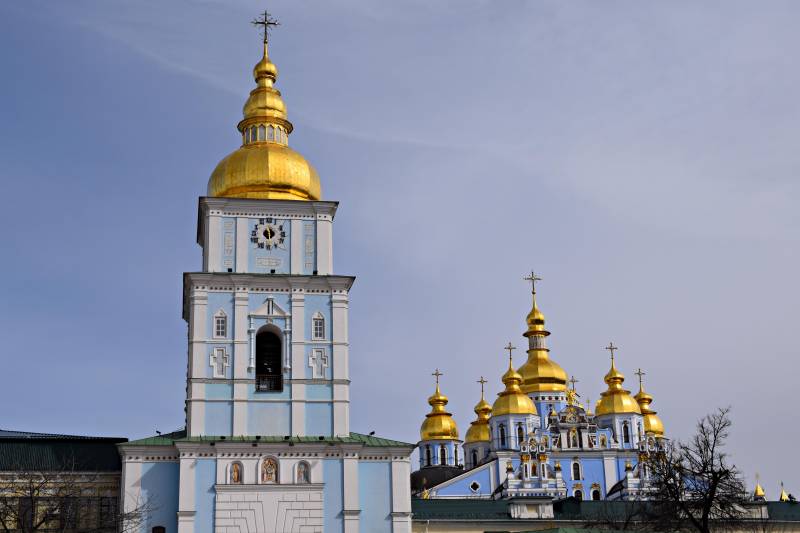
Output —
(264, 167)
(540, 373)
(652, 423)
(438, 424)
(512, 401)
(616, 400)
(479, 429)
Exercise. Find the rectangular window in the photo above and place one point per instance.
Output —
(319, 328)
(108, 512)
(221, 326)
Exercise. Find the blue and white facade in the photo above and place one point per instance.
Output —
(267, 445)
(562, 449)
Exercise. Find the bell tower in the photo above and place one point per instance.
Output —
(268, 340)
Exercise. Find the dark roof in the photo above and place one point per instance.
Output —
(169, 439)
(430, 476)
(43, 452)
(783, 511)
(449, 509)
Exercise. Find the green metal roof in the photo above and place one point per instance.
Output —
(169, 439)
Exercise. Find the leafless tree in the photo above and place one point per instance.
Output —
(695, 485)
(66, 500)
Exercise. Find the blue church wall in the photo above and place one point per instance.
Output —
(309, 350)
(219, 391)
(461, 487)
(205, 476)
(218, 418)
(217, 301)
(269, 418)
(318, 303)
(160, 482)
(374, 493)
(261, 260)
(285, 394)
(333, 496)
(319, 418)
(323, 391)
(257, 299)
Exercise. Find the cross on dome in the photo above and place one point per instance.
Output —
(573, 381)
(482, 381)
(611, 348)
(266, 22)
(436, 373)
(510, 348)
(641, 373)
(533, 278)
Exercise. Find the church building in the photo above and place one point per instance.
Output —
(267, 445)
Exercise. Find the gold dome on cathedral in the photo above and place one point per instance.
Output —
(438, 424)
(615, 400)
(264, 167)
(652, 423)
(540, 373)
(512, 401)
(479, 429)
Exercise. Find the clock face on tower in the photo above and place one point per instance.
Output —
(268, 234)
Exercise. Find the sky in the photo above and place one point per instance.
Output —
(641, 157)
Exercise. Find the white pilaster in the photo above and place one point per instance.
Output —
(213, 244)
(296, 246)
(241, 359)
(242, 244)
(186, 496)
(198, 361)
(341, 349)
(350, 507)
(324, 245)
(401, 495)
(298, 422)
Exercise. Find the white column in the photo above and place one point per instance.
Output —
(341, 347)
(610, 471)
(296, 247)
(324, 245)
(401, 495)
(198, 359)
(214, 244)
(241, 359)
(298, 423)
(131, 483)
(350, 507)
(186, 499)
(242, 244)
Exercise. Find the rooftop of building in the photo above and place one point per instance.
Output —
(51, 452)
(372, 441)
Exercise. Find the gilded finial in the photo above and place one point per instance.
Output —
(436, 374)
(533, 278)
(641, 373)
(483, 382)
(611, 348)
(510, 349)
(266, 22)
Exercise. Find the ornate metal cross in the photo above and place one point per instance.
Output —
(641, 373)
(482, 381)
(611, 348)
(437, 374)
(510, 348)
(533, 278)
(266, 21)
(573, 381)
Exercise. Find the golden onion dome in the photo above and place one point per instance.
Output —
(616, 400)
(479, 429)
(540, 373)
(438, 424)
(652, 423)
(264, 167)
(512, 401)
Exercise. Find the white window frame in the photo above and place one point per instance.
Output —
(315, 319)
(220, 314)
(214, 359)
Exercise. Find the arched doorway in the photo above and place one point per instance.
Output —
(269, 375)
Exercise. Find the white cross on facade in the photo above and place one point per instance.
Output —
(318, 361)
(219, 361)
